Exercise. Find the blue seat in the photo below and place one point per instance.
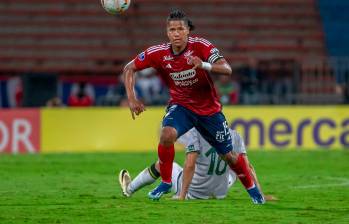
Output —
(335, 17)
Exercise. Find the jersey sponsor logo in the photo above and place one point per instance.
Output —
(167, 58)
(184, 78)
(186, 83)
(183, 75)
(141, 56)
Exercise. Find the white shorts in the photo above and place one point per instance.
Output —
(177, 176)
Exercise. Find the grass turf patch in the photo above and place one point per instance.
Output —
(312, 187)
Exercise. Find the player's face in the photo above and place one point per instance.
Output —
(178, 32)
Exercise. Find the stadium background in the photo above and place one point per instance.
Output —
(285, 53)
(61, 91)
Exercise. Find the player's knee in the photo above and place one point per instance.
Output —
(168, 136)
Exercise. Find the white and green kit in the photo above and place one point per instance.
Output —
(212, 176)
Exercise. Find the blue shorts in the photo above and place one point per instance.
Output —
(214, 128)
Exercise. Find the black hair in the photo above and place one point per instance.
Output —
(178, 14)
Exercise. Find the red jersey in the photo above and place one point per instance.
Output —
(192, 89)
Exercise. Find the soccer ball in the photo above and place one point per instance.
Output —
(115, 6)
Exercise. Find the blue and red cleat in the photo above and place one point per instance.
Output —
(163, 188)
(256, 196)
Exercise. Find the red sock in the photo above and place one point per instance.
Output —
(166, 156)
(243, 172)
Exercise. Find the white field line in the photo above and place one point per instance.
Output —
(340, 182)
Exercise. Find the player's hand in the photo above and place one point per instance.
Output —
(136, 107)
(175, 197)
(181, 198)
(178, 198)
(196, 61)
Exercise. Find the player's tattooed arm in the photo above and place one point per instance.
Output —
(188, 173)
(136, 106)
(221, 66)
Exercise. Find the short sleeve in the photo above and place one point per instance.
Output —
(238, 142)
(208, 51)
(144, 60)
(191, 141)
(214, 55)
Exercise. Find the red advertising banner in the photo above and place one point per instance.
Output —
(20, 131)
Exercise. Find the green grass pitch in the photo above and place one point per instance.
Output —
(312, 187)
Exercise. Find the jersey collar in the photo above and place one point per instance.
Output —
(180, 53)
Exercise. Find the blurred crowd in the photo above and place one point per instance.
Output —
(270, 83)
(244, 87)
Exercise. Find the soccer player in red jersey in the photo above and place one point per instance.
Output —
(184, 65)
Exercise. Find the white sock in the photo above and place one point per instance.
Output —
(142, 179)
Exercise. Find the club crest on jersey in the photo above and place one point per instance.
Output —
(190, 148)
(188, 53)
(141, 56)
(168, 58)
(187, 56)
